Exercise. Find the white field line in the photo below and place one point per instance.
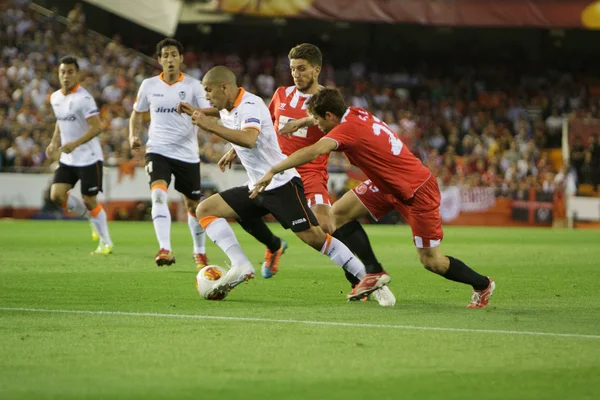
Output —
(294, 321)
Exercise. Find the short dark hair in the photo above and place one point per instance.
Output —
(168, 42)
(327, 100)
(308, 52)
(71, 60)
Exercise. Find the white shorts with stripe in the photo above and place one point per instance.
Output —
(317, 199)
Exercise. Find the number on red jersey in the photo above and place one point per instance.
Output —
(380, 126)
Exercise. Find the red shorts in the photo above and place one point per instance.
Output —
(421, 212)
(315, 189)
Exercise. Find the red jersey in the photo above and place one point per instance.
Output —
(288, 104)
(378, 151)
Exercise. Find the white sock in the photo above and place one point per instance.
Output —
(161, 217)
(219, 231)
(342, 256)
(100, 222)
(75, 206)
(198, 235)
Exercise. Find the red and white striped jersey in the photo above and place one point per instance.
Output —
(289, 104)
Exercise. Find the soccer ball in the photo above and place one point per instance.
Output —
(206, 280)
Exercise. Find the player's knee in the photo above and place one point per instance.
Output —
(325, 217)
(327, 226)
(90, 202)
(58, 198)
(204, 209)
(192, 207)
(314, 237)
(433, 263)
(340, 217)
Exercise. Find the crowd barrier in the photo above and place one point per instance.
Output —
(126, 194)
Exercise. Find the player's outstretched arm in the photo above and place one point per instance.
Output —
(306, 155)
(211, 112)
(293, 126)
(300, 157)
(187, 108)
(93, 131)
(246, 137)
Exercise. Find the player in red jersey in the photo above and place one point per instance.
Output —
(296, 130)
(289, 105)
(400, 181)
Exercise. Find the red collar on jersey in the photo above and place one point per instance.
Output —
(238, 99)
(73, 90)
(162, 78)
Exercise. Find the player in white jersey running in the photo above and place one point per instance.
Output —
(248, 126)
(172, 147)
(297, 130)
(77, 125)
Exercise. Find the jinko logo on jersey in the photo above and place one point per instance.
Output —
(69, 118)
(166, 110)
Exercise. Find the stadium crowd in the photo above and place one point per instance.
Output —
(484, 126)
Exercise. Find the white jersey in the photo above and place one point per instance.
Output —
(71, 112)
(171, 134)
(250, 111)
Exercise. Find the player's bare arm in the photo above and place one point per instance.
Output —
(300, 157)
(293, 126)
(54, 143)
(93, 131)
(246, 137)
(135, 122)
(227, 160)
(187, 108)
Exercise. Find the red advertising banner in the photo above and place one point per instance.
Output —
(531, 13)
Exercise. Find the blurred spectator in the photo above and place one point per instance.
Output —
(577, 155)
(594, 161)
(76, 19)
(265, 83)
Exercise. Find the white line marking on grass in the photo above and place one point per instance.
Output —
(294, 321)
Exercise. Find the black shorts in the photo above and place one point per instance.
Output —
(90, 176)
(287, 204)
(187, 175)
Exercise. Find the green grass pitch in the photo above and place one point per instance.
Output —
(538, 339)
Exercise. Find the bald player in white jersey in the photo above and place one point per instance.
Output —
(172, 147)
(77, 125)
(248, 126)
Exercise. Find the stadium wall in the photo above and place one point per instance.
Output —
(25, 195)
